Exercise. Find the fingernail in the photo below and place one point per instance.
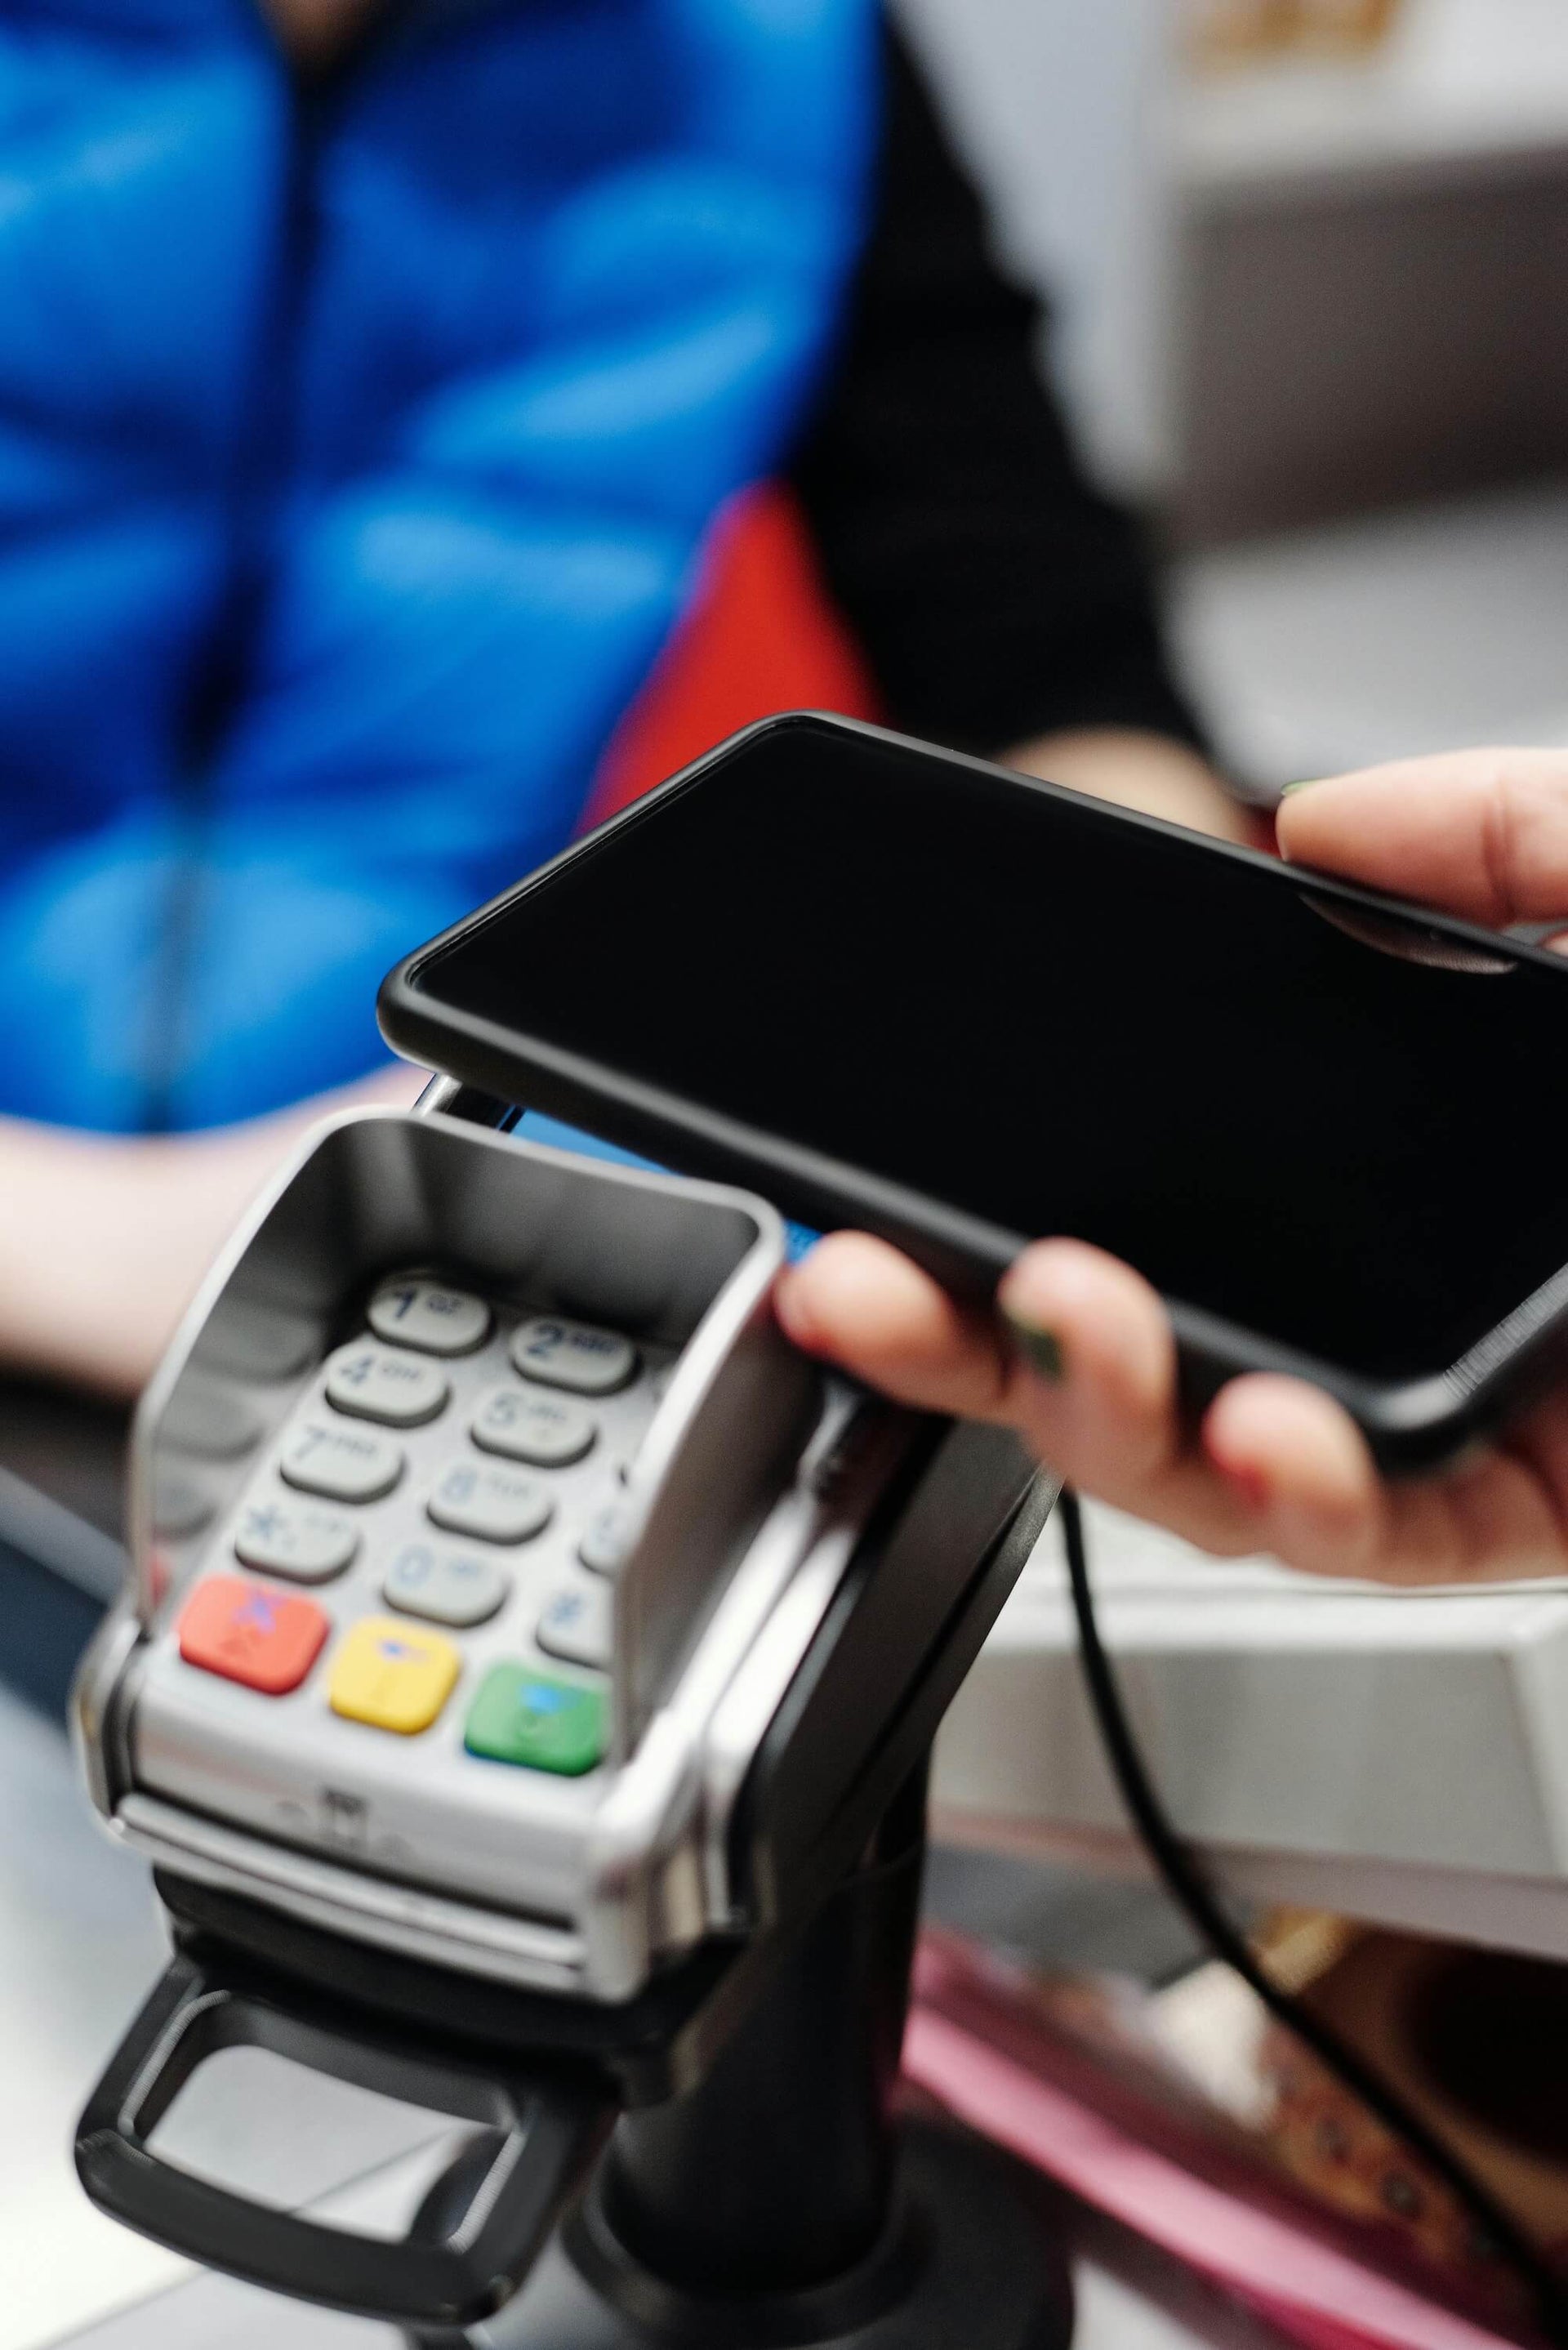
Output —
(1305, 784)
(1040, 1348)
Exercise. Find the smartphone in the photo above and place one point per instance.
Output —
(900, 989)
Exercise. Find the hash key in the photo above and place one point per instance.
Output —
(577, 1624)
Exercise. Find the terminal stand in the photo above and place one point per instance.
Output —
(783, 2201)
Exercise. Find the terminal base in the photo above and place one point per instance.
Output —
(970, 2260)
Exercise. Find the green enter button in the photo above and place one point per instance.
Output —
(528, 1717)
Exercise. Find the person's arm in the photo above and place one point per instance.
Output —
(104, 1237)
(1002, 604)
(1153, 772)
(1081, 1359)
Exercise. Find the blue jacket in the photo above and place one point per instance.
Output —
(356, 447)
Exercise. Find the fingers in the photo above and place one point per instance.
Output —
(1081, 1361)
(1502, 1522)
(1318, 1503)
(863, 1304)
(1303, 1465)
(1481, 833)
(1093, 1382)
(1541, 1440)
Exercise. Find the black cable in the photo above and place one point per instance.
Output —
(1190, 1889)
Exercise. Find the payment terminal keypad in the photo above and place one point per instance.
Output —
(452, 1486)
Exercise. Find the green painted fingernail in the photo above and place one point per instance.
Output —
(1041, 1349)
(1305, 784)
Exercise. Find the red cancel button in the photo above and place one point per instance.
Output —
(248, 1632)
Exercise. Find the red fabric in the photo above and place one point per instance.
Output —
(761, 635)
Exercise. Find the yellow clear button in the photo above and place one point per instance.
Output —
(393, 1675)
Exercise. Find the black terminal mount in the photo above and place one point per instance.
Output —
(780, 2201)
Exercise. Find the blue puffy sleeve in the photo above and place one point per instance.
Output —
(501, 329)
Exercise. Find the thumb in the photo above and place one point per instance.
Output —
(1484, 834)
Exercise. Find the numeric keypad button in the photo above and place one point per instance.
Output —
(544, 1429)
(578, 1624)
(375, 1382)
(415, 1311)
(572, 1355)
(498, 1505)
(307, 1544)
(447, 1586)
(608, 1539)
(344, 1464)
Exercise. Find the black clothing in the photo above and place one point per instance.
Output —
(994, 593)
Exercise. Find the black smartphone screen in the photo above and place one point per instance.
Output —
(1056, 1020)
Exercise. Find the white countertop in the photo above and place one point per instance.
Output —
(81, 1944)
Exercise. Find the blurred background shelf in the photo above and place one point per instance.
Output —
(1383, 635)
(1461, 85)
(1370, 258)
(1289, 291)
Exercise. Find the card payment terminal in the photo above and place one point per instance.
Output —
(528, 1652)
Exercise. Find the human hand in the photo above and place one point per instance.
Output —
(1149, 772)
(1081, 1359)
(104, 1238)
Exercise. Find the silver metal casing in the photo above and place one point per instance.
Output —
(738, 1540)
